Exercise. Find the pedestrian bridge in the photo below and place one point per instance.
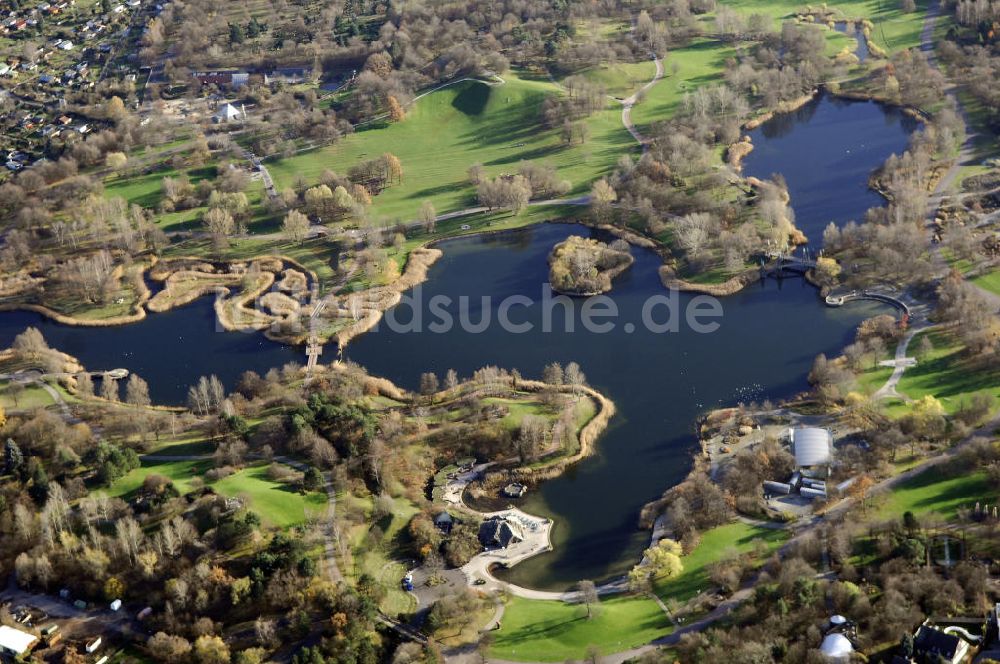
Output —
(840, 299)
(780, 262)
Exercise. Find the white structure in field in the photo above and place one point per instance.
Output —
(811, 446)
(836, 648)
(14, 642)
(228, 113)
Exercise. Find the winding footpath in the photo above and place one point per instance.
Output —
(633, 99)
(889, 389)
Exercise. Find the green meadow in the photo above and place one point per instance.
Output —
(446, 132)
(278, 505)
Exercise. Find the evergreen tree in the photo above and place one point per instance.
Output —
(13, 457)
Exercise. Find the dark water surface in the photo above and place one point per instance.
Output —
(827, 150)
(862, 50)
(768, 337)
(170, 350)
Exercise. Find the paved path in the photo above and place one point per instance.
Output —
(38, 378)
(631, 101)
(889, 389)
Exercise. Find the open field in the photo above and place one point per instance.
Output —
(622, 78)
(147, 191)
(931, 492)
(946, 374)
(277, 504)
(518, 409)
(32, 396)
(716, 544)
(894, 29)
(687, 69)
(873, 378)
(184, 474)
(989, 280)
(450, 130)
(556, 631)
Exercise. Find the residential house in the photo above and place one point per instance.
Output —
(444, 522)
(289, 75)
(499, 532)
(231, 78)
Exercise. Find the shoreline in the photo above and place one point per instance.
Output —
(389, 295)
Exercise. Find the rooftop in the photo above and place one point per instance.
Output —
(811, 446)
(16, 641)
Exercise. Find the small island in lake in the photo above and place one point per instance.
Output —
(584, 266)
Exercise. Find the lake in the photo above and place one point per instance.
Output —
(661, 381)
(826, 151)
(170, 350)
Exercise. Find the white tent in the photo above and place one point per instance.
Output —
(836, 648)
(227, 113)
(14, 641)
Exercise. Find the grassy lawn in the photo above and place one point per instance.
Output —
(181, 473)
(518, 409)
(467, 123)
(555, 631)
(716, 544)
(930, 492)
(383, 559)
(894, 29)
(146, 190)
(187, 444)
(946, 375)
(277, 504)
(622, 78)
(687, 69)
(32, 396)
(961, 264)
(872, 379)
(989, 281)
